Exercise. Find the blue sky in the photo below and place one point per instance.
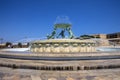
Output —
(35, 18)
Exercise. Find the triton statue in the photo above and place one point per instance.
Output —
(64, 26)
(52, 36)
(68, 43)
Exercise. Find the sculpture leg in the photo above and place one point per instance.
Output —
(70, 33)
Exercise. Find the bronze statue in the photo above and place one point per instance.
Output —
(62, 34)
(52, 36)
(70, 33)
(64, 27)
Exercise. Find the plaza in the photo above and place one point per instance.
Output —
(61, 58)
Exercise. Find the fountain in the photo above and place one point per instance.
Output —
(74, 56)
(57, 41)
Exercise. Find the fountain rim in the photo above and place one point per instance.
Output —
(63, 40)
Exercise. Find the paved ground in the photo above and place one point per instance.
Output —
(21, 74)
(28, 74)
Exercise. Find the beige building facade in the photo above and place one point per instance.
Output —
(114, 38)
(102, 36)
(111, 39)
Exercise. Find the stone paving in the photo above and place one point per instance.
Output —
(21, 74)
(31, 74)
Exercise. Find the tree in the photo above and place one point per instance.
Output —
(28, 44)
(8, 44)
(20, 45)
(86, 37)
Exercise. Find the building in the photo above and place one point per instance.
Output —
(114, 38)
(102, 36)
(113, 35)
(101, 39)
(3, 45)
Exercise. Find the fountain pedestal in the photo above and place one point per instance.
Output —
(63, 45)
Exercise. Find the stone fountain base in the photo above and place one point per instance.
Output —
(63, 45)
